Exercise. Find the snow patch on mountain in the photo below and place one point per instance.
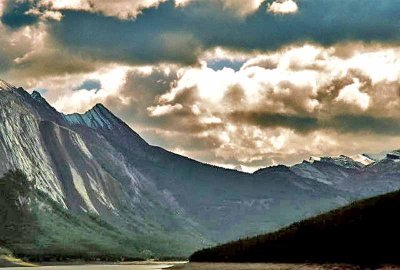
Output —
(77, 140)
(363, 159)
(343, 161)
(101, 196)
(80, 187)
(314, 159)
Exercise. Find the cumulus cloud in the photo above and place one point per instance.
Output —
(17, 45)
(283, 7)
(240, 7)
(351, 94)
(161, 110)
(221, 81)
(130, 9)
(123, 9)
(2, 5)
(279, 107)
(276, 97)
(108, 79)
(29, 55)
(45, 15)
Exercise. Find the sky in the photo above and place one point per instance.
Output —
(241, 84)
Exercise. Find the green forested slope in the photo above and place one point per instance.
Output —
(33, 226)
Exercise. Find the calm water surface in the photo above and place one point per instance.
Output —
(203, 266)
(102, 267)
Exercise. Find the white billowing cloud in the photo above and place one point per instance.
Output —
(66, 4)
(243, 8)
(111, 79)
(279, 107)
(385, 64)
(19, 44)
(161, 110)
(27, 56)
(123, 9)
(45, 15)
(351, 94)
(243, 108)
(2, 6)
(283, 7)
(240, 7)
(129, 9)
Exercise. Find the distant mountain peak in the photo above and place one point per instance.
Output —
(100, 106)
(97, 117)
(342, 161)
(363, 159)
(39, 98)
(36, 95)
(274, 169)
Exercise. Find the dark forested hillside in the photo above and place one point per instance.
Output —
(366, 232)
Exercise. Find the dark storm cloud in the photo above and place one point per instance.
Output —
(179, 34)
(365, 123)
(343, 123)
(268, 119)
(149, 39)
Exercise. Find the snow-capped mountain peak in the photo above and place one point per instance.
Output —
(341, 160)
(97, 117)
(363, 159)
(314, 159)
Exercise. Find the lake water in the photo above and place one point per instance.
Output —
(202, 266)
(135, 266)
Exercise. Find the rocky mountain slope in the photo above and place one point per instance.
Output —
(94, 164)
(360, 175)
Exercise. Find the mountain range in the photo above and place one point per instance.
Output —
(93, 175)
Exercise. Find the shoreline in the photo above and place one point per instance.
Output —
(9, 261)
(185, 265)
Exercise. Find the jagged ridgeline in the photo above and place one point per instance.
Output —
(107, 191)
(94, 166)
(365, 232)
